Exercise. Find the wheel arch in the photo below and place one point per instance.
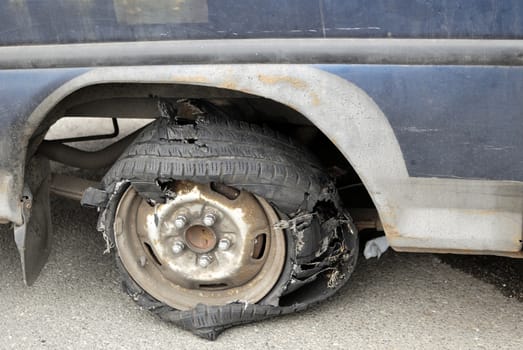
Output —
(343, 112)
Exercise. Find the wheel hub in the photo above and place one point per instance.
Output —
(200, 239)
(202, 246)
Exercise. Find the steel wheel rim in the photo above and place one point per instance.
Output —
(146, 236)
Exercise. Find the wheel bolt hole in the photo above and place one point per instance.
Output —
(228, 192)
(259, 246)
(213, 286)
(151, 253)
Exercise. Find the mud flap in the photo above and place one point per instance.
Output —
(33, 236)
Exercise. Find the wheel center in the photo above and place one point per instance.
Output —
(200, 239)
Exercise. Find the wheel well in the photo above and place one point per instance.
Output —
(124, 100)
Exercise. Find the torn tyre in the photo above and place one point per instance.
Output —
(218, 223)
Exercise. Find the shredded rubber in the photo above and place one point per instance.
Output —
(322, 244)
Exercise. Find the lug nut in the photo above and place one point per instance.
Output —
(178, 247)
(224, 244)
(209, 219)
(180, 221)
(204, 260)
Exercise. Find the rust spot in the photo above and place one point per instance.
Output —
(182, 187)
(231, 85)
(192, 79)
(200, 238)
(390, 230)
(518, 254)
(315, 99)
(275, 79)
